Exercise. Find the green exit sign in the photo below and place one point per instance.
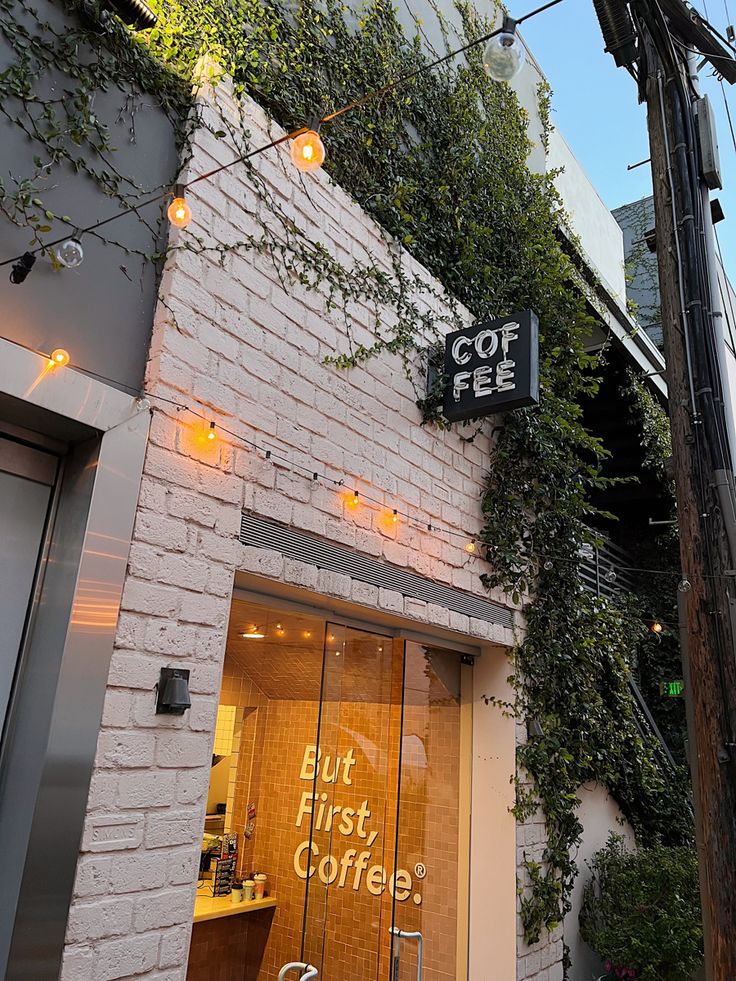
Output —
(672, 689)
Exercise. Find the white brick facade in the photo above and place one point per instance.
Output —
(249, 355)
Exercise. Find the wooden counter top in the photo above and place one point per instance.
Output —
(208, 907)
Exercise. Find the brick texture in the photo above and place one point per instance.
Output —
(246, 349)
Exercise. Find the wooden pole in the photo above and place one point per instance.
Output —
(711, 665)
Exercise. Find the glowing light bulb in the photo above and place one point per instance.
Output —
(59, 358)
(307, 151)
(470, 547)
(656, 627)
(395, 516)
(179, 212)
(356, 498)
(70, 253)
(504, 55)
(211, 434)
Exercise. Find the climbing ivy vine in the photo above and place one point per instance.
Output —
(441, 165)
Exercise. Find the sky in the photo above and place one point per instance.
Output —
(595, 107)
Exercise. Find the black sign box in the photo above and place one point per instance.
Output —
(492, 366)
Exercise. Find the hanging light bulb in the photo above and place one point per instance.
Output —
(58, 358)
(70, 253)
(211, 434)
(179, 212)
(395, 516)
(655, 627)
(470, 547)
(307, 151)
(548, 565)
(356, 499)
(684, 585)
(610, 575)
(504, 55)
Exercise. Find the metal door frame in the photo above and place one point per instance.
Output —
(54, 719)
(257, 590)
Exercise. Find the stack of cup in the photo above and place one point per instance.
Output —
(260, 884)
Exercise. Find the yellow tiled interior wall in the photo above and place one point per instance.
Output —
(224, 730)
(347, 928)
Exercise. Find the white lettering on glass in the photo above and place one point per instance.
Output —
(353, 868)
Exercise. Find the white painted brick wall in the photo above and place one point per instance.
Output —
(250, 356)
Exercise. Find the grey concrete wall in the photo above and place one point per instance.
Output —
(102, 311)
(641, 265)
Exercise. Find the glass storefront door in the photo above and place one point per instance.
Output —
(337, 766)
(348, 907)
(430, 925)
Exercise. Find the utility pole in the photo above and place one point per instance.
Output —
(651, 38)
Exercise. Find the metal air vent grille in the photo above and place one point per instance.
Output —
(296, 545)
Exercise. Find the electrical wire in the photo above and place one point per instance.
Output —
(728, 115)
(330, 117)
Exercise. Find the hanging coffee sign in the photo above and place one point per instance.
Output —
(492, 366)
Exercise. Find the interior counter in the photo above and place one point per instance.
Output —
(208, 907)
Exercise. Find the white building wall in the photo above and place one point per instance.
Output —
(600, 817)
(232, 342)
(600, 237)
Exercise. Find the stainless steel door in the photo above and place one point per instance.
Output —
(27, 476)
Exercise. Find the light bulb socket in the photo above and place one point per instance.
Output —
(179, 191)
(20, 269)
(508, 26)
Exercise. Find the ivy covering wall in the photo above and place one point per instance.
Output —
(441, 165)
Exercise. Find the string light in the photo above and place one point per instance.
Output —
(307, 151)
(585, 551)
(655, 627)
(395, 516)
(59, 358)
(70, 253)
(211, 434)
(504, 55)
(179, 212)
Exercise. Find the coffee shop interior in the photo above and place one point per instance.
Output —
(333, 838)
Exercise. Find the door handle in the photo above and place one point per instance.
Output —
(412, 935)
(309, 969)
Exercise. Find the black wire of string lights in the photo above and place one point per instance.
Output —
(60, 358)
(306, 138)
